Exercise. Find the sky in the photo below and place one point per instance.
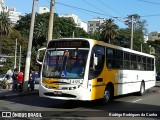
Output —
(86, 10)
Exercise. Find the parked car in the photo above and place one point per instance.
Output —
(2, 76)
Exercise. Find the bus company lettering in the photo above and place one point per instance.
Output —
(22, 115)
(123, 75)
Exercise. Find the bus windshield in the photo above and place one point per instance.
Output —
(65, 63)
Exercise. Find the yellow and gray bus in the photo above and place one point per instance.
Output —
(87, 69)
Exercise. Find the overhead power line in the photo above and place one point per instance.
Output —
(156, 15)
(149, 2)
(103, 3)
(114, 17)
(109, 16)
(95, 7)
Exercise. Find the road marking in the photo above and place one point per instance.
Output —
(136, 100)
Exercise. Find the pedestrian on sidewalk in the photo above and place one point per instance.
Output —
(7, 82)
(20, 78)
(32, 80)
(14, 78)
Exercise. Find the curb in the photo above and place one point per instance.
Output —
(18, 94)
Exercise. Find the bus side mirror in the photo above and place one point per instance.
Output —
(40, 55)
(95, 60)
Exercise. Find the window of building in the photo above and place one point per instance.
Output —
(91, 25)
(97, 24)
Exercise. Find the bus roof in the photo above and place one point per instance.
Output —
(105, 44)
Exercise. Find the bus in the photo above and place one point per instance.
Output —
(87, 69)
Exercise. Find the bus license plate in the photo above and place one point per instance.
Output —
(57, 93)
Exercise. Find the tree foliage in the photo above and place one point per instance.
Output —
(108, 30)
(65, 27)
(5, 26)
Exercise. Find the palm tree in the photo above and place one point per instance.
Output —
(40, 33)
(40, 30)
(5, 26)
(108, 30)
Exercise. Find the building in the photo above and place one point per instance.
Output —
(43, 10)
(145, 37)
(14, 16)
(79, 23)
(2, 6)
(94, 24)
(154, 36)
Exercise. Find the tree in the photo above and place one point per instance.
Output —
(108, 30)
(8, 48)
(23, 25)
(5, 26)
(138, 23)
(123, 38)
(79, 33)
(156, 46)
(95, 35)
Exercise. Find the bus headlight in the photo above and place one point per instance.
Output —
(72, 88)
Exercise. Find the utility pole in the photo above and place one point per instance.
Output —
(28, 58)
(73, 34)
(20, 58)
(15, 56)
(132, 16)
(50, 26)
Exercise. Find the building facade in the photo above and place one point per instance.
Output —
(14, 16)
(2, 6)
(154, 36)
(43, 10)
(94, 24)
(79, 23)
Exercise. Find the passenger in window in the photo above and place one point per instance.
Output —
(138, 66)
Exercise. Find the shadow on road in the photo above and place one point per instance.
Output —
(89, 109)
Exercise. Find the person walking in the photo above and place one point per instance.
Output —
(20, 78)
(8, 79)
(14, 78)
(32, 80)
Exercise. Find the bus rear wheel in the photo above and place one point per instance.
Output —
(108, 95)
(142, 89)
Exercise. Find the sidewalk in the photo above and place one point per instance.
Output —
(4, 93)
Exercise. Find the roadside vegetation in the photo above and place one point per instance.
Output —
(64, 27)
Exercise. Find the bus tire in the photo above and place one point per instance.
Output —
(142, 89)
(108, 95)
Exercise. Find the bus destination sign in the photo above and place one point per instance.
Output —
(68, 44)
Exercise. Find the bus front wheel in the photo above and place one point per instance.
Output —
(107, 95)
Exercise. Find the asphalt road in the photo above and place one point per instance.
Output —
(130, 105)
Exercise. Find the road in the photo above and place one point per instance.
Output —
(127, 105)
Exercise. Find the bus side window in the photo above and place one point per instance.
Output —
(98, 54)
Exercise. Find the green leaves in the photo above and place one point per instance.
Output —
(108, 30)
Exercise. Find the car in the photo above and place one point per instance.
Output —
(2, 76)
